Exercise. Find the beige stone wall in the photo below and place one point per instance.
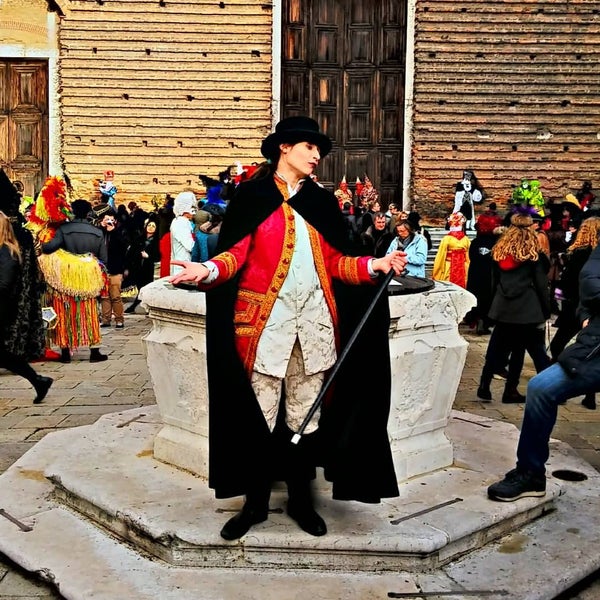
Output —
(510, 89)
(161, 92)
(24, 23)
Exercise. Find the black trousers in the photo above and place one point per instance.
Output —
(508, 343)
(19, 366)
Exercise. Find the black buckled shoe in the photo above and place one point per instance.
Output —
(307, 518)
(241, 523)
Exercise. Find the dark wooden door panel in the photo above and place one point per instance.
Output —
(343, 64)
(24, 122)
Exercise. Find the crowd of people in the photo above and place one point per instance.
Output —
(268, 265)
(78, 260)
(531, 270)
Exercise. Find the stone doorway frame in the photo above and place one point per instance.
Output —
(47, 49)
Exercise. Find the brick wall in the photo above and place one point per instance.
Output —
(510, 89)
(160, 91)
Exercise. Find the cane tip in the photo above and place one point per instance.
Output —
(296, 438)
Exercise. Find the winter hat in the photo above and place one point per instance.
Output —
(572, 200)
(291, 131)
(185, 202)
(102, 209)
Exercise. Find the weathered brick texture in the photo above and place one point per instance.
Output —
(510, 89)
(160, 91)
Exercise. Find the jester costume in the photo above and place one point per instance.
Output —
(73, 275)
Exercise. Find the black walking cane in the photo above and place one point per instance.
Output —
(342, 357)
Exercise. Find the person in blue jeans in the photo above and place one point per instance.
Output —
(576, 372)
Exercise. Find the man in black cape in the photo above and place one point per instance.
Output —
(274, 222)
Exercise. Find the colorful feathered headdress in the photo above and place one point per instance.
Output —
(50, 209)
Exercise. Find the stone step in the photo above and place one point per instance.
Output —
(110, 467)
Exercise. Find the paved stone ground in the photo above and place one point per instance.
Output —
(83, 391)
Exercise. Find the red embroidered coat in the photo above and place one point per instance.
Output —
(263, 259)
(254, 250)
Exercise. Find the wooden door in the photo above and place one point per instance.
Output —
(344, 65)
(24, 122)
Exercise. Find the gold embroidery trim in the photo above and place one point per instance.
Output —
(349, 270)
(229, 263)
(319, 259)
(282, 187)
(268, 300)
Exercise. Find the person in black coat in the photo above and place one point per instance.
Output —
(576, 372)
(281, 254)
(479, 277)
(142, 254)
(16, 271)
(567, 322)
(116, 243)
(520, 307)
(377, 238)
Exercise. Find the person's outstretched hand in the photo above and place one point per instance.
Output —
(192, 272)
(394, 260)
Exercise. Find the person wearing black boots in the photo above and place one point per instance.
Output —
(275, 323)
(18, 291)
(520, 307)
(78, 236)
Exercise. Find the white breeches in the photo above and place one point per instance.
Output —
(301, 390)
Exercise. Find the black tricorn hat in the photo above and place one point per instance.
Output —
(291, 131)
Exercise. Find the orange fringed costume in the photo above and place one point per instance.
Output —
(73, 281)
(452, 259)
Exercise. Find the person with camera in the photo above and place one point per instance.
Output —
(116, 243)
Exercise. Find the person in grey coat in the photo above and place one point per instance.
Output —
(577, 372)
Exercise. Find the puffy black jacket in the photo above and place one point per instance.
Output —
(79, 237)
(584, 353)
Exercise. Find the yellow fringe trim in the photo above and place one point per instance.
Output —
(77, 275)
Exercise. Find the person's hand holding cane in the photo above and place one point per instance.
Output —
(395, 260)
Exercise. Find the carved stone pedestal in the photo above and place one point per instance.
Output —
(427, 357)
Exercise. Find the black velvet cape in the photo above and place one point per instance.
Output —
(353, 445)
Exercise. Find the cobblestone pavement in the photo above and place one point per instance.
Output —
(84, 391)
